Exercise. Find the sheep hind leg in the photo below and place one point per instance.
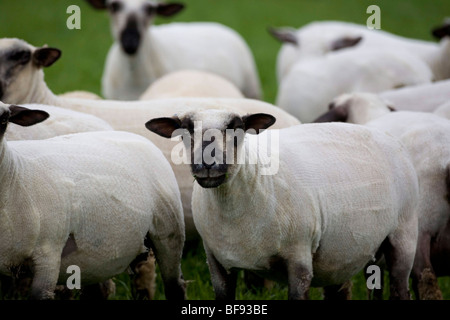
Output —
(168, 253)
(399, 255)
(425, 283)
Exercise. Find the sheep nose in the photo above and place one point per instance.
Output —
(208, 166)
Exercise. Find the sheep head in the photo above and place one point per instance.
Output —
(20, 68)
(130, 19)
(213, 139)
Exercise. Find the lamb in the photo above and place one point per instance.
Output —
(317, 220)
(311, 85)
(427, 138)
(62, 222)
(26, 85)
(191, 83)
(142, 54)
(318, 39)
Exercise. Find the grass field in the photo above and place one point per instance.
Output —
(84, 51)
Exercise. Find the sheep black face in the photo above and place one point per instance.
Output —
(19, 63)
(213, 139)
(19, 115)
(130, 19)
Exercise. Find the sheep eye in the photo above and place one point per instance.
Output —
(115, 6)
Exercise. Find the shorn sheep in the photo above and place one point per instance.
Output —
(341, 193)
(191, 83)
(310, 85)
(318, 39)
(25, 84)
(427, 138)
(96, 200)
(143, 53)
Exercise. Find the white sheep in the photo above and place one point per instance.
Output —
(443, 110)
(27, 85)
(95, 200)
(427, 138)
(310, 85)
(423, 97)
(191, 83)
(61, 121)
(80, 94)
(319, 38)
(143, 52)
(340, 192)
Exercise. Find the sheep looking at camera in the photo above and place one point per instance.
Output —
(143, 52)
(317, 220)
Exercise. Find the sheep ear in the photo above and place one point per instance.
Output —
(285, 35)
(258, 121)
(164, 127)
(97, 4)
(336, 114)
(345, 42)
(26, 117)
(442, 31)
(169, 9)
(45, 57)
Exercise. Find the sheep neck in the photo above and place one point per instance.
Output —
(441, 64)
(40, 93)
(247, 188)
(144, 66)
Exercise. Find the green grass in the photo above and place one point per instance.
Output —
(84, 51)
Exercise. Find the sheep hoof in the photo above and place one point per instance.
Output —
(428, 286)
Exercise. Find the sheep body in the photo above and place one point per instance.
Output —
(93, 176)
(316, 39)
(422, 97)
(166, 48)
(61, 121)
(252, 220)
(311, 85)
(191, 83)
(443, 110)
(426, 137)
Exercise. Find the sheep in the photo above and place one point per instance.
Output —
(320, 38)
(191, 83)
(62, 121)
(81, 95)
(26, 85)
(142, 54)
(443, 110)
(311, 85)
(424, 97)
(304, 209)
(108, 196)
(427, 138)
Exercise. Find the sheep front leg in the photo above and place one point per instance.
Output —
(224, 283)
(299, 280)
(46, 272)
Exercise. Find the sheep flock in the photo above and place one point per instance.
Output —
(177, 175)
